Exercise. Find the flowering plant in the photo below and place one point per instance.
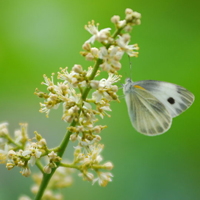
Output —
(80, 112)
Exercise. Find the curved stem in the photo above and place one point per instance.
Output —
(13, 142)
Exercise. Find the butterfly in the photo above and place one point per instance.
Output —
(152, 104)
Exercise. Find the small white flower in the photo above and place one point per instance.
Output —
(108, 166)
(87, 176)
(33, 152)
(47, 169)
(52, 155)
(100, 36)
(103, 178)
(26, 172)
(111, 58)
(129, 49)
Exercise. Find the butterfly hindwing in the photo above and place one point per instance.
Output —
(148, 115)
(174, 97)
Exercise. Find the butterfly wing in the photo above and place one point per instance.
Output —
(148, 115)
(174, 97)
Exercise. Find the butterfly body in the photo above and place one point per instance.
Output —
(152, 104)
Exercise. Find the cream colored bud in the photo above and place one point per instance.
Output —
(48, 194)
(136, 15)
(138, 22)
(77, 68)
(94, 84)
(118, 66)
(52, 155)
(115, 19)
(89, 176)
(9, 166)
(81, 128)
(94, 51)
(114, 88)
(129, 17)
(11, 153)
(50, 88)
(59, 196)
(47, 169)
(53, 97)
(35, 189)
(103, 37)
(73, 137)
(86, 46)
(128, 28)
(89, 57)
(126, 37)
(20, 163)
(128, 11)
(42, 142)
(97, 129)
(26, 172)
(98, 138)
(74, 81)
(108, 166)
(76, 108)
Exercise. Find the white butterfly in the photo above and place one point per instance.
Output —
(153, 104)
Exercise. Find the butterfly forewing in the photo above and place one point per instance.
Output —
(174, 97)
(148, 115)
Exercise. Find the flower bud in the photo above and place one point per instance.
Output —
(86, 46)
(97, 129)
(47, 169)
(115, 19)
(108, 166)
(128, 11)
(26, 172)
(89, 57)
(94, 84)
(94, 51)
(11, 153)
(9, 166)
(73, 137)
(77, 68)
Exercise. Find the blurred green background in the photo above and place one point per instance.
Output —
(39, 37)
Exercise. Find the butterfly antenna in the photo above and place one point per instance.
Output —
(130, 65)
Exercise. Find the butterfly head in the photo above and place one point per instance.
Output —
(127, 86)
(128, 80)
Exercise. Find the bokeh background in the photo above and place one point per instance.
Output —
(39, 37)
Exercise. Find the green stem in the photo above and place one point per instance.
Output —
(39, 165)
(13, 142)
(69, 165)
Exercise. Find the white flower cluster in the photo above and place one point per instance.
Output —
(113, 50)
(73, 87)
(75, 108)
(53, 158)
(87, 156)
(19, 151)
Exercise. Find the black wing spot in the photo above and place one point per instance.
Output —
(171, 100)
